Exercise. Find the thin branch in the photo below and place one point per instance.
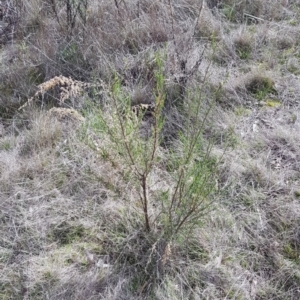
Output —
(53, 5)
(145, 200)
(120, 120)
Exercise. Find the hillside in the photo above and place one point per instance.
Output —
(150, 149)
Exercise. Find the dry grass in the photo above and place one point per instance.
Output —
(71, 226)
(68, 89)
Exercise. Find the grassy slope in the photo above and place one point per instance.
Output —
(69, 224)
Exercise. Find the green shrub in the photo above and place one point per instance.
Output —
(193, 169)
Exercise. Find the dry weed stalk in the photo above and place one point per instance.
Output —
(75, 11)
(9, 19)
(68, 88)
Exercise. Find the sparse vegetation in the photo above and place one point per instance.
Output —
(260, 86)
(243, 46)
(149, 149)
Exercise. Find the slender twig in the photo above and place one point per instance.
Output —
(121, 123)
(145, 202)
(195, 26)
(53, 5)
(173, 30)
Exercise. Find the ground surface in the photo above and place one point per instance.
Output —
(72, 214)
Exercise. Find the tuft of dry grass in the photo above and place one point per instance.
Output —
(68, 89)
